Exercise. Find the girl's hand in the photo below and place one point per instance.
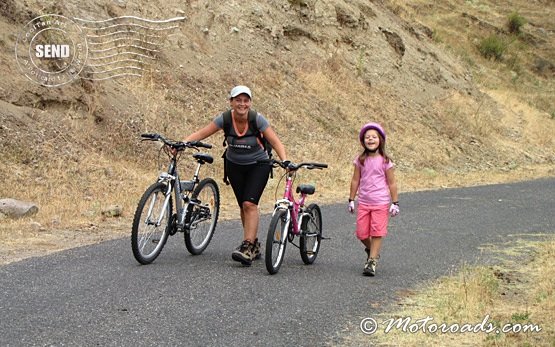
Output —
(394, 210)
(351, 207)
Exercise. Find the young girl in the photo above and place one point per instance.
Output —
(374, 179)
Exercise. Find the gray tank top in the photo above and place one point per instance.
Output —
(245, 148)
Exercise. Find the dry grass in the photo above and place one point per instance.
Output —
(521, 290)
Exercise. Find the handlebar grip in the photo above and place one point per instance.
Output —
(150, 136)
(312, 166)
(200, 144)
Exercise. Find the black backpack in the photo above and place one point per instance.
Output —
(255, 131)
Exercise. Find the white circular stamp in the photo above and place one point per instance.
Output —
(51, 50)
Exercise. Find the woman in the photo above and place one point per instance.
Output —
(247, 178)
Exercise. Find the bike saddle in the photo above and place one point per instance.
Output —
(306, 189)
(203, 158)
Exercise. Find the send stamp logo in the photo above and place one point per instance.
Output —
(53, 50)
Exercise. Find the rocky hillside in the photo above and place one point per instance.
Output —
(318, 71)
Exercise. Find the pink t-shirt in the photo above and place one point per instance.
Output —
(373, 188)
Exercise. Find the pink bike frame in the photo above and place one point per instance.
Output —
(293, 205)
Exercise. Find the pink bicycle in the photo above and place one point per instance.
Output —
(291, 218)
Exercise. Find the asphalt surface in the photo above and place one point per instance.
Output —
(100, 296)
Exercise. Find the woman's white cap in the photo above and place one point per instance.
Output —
(240, 90)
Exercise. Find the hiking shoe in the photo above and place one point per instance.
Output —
(370, 267)
(243, 253)
(256, 250)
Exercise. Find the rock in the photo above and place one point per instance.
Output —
(37, 226)
(13, 208)
(347, 16)
(112, 211)
(56, 221)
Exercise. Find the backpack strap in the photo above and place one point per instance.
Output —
(227, 129)
(265, 144)
(253, 125)
(227, 125)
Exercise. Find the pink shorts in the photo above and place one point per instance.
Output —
(372, 221)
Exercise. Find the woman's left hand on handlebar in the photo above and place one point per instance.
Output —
(171, 150)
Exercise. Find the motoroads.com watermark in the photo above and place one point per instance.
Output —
(427, 325)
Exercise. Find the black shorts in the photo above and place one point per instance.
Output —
(248, 181)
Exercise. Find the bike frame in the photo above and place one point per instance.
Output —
(171, 176)
(291, 205)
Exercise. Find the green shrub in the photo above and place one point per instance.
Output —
(515, 23)
(492, 47)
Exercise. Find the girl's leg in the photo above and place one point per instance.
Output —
(363, 226)
(378, 229)
(368, 245)
(376, 246)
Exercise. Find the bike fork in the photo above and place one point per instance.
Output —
(162, 213)
(286, 228)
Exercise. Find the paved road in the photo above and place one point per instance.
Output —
(99, 296)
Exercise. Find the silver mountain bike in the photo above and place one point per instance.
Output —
(197, 205)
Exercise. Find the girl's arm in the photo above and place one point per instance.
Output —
(355, 181)
(390, 176)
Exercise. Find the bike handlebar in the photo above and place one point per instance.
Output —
(178, 145)
(292, 166)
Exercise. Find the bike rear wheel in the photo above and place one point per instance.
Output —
(151, 224)
(276, 242)
(309, 243)
(203, 216)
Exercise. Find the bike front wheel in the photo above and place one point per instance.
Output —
(311, 236)
(276, 241)
(151, 223)
(203, 216)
